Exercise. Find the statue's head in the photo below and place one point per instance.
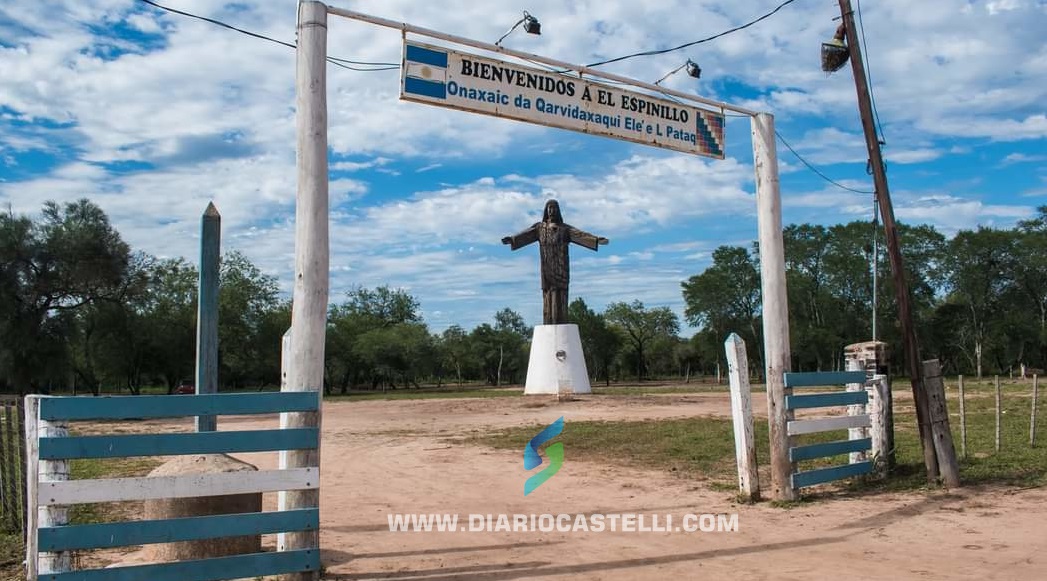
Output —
(552, 212)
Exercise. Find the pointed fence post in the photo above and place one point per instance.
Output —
(207, 311)
(742, 416)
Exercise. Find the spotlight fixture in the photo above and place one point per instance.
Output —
(530, 26)
(835, 53)
(692, 67)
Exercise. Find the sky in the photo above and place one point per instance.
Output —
(152, 115)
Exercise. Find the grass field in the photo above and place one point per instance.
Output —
(703, 448)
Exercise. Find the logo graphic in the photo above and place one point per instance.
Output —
(533, 460)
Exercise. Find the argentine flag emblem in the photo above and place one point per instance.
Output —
(425, 72)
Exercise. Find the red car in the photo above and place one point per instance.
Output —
(186, 387)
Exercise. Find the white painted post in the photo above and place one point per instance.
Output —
(285, 371)
(312, 251)
(879, 431)
(999, 406)
(856, 410)
(963, 419)
(52, 515)
(1032, 419)
(742, 416)
(775, 303)
(32, 486)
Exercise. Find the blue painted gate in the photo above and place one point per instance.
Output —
(44, 412)
(796, 401)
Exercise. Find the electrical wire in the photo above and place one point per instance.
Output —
(339, 62)
(868, 72)
(816, 170)
(700, 41)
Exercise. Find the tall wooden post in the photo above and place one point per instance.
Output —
(894, 252)
(207, 311)
(775, 302)
(312, 251)
(742, 416)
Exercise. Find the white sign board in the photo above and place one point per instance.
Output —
(448, 78)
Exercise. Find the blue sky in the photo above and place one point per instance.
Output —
(151, 115)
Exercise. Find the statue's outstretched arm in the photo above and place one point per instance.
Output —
(583, 238)
(523, 238)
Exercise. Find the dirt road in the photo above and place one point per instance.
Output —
(388, 457)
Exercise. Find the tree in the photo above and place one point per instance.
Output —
(454, 346)
(246, 296)
(981, 267)
(69, 259)
(376, 336)
(642, 327)
(1030, 275)
(600, 342)
(725, 298)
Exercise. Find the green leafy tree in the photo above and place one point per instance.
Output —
(642, 327)
(70, 258)
(600, 342)
(980, 275)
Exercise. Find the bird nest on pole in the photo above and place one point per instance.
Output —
(835, 53)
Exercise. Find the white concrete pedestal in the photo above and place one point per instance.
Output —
(557, 364)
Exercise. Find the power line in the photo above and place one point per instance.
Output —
(689, 44)
(816, 170)
(340, 62)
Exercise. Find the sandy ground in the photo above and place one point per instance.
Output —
(387, 457)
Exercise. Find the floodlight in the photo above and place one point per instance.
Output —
(530, 26)
(692, 69)
(834, 52)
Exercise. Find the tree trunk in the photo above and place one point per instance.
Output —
(978, 357)
(501, 356)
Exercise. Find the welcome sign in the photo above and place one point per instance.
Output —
(448, 78)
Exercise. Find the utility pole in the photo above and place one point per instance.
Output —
(312, 259)
(934, 451)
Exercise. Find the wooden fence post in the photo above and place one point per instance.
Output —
(878, 426)
(1032, 419)
(856, 410)
(938, 413)
(999, 412)
(207, 311)
(963, 420)
(8, 474)
(20, 445)
(742, 416)
(32, 469)
(285, 371)
(54, 516)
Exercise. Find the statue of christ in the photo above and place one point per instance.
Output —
(553, 237)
